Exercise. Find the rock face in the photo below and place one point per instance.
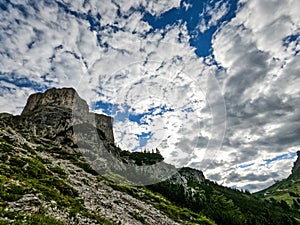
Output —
(45, 179)
(28, 203)
(188, 175)
(63, 98)
(63, 118)
(192, 175)
(57, 110)
(297, 163)
(50, 173)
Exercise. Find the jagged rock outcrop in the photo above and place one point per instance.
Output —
(66, 98)
(188, 175)
(56, 111)
(58, 165)
(43, 170)
(192, 175)
(296, 163)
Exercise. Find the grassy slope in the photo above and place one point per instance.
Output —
(23, 171)
(287, 190)
(227, 206)
(223, 205)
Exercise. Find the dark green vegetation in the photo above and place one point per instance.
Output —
(140, 158)
(224, 205)
(24, 172)
(49, 175)
(14, 218)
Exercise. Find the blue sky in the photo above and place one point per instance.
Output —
(291, 155)
(191, 15)
(130, 115)
(212, 84)
(286, 156)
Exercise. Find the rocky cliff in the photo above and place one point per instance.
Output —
(61, 116)
(66, 98)
(45, 183)
(296, 164)
(57, 110)
(188, 175)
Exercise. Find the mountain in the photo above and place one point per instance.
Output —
(47, 173)
(59, 165)
(58, 108)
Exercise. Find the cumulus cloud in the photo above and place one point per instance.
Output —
(107, 54)
(111, 55)
(215, 13)
(260, 90)
(270, 22)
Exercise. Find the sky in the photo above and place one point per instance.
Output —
(213, 85)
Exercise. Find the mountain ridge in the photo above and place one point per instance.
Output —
(58, 166)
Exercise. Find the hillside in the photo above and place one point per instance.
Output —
(54, 171)
(225, 205)
(286, 190)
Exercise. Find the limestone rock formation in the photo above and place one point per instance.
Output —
(59, 165)
(186, 175)
(57, 110)
(44, 171)
(63, 98)
(61, 116)
(47, 181)
(296, 163)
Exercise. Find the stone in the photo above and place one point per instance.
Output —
(63, 98)
(186, 174)
(296, 163)
(29, 203)
(40, 133)
(54, 113)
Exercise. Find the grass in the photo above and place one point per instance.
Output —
(285, 190)
(59, 171)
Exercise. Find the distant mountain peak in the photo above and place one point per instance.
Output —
(296, 163)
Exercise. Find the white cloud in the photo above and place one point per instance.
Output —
(186, 6)
(215, 14)
(261, 92)
(161, 70)
(270, 22)
(157, 7)
(260, 79)
(19, 95)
